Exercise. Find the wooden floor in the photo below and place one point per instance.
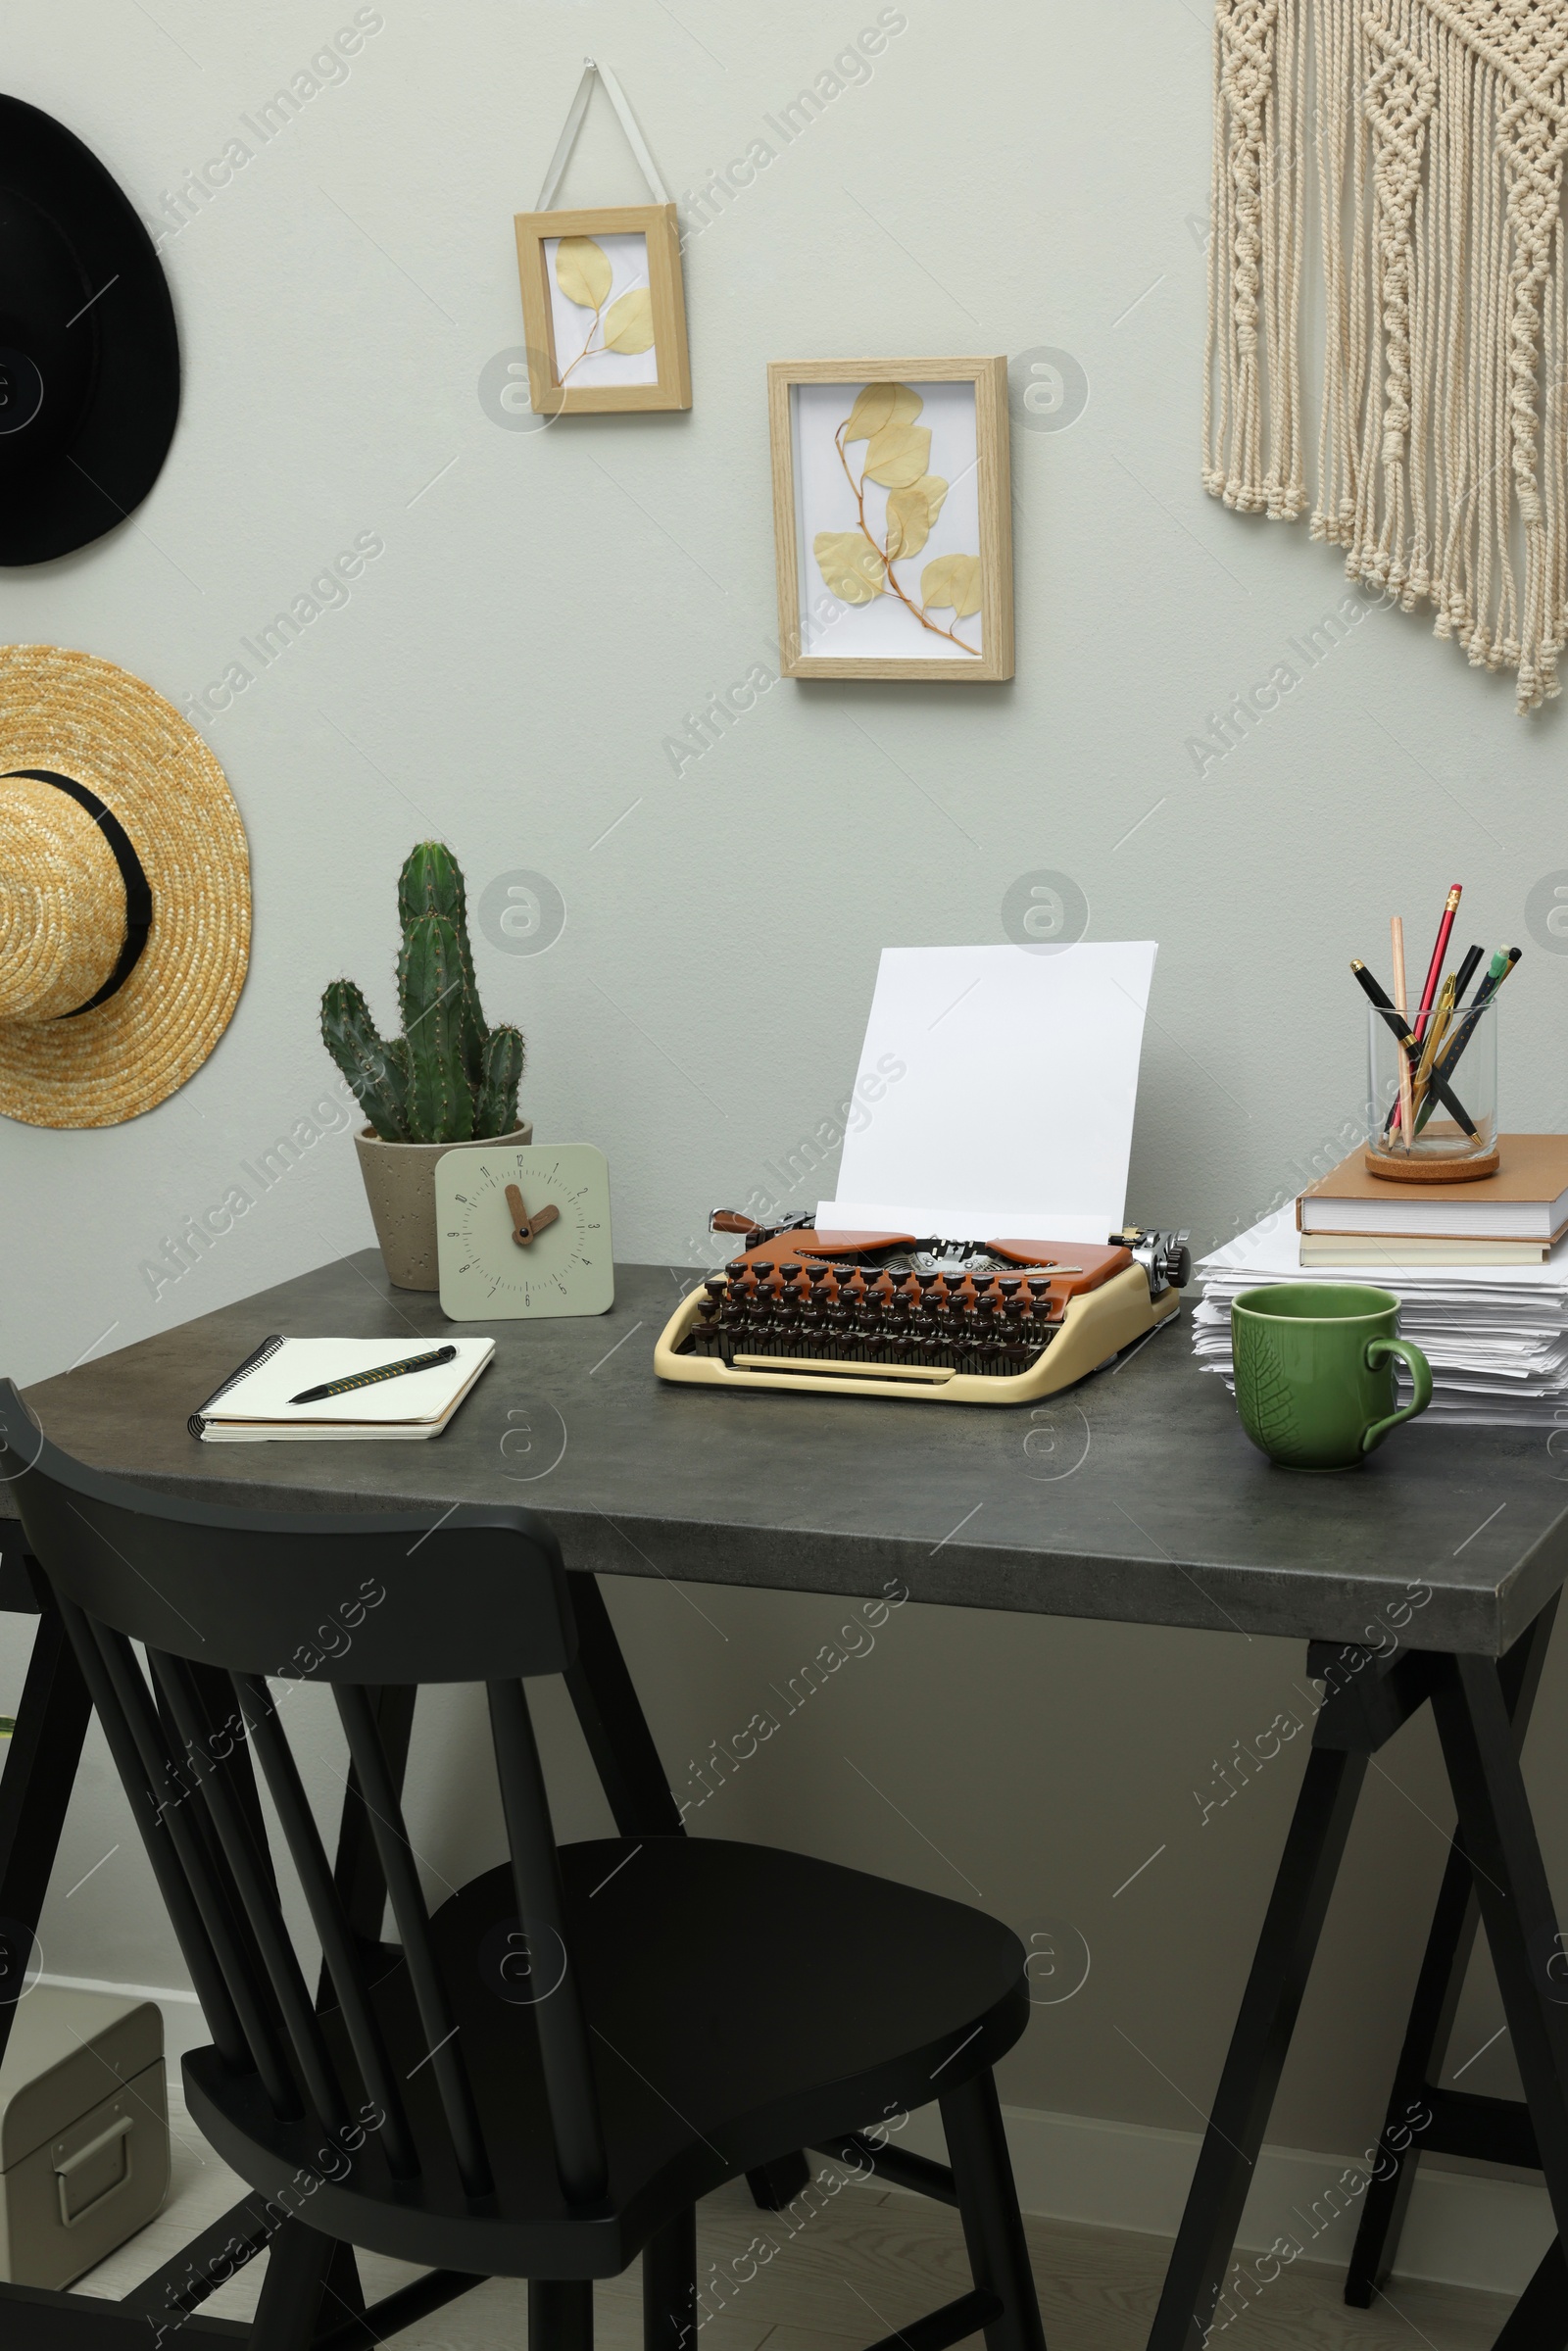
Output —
(863, 2266)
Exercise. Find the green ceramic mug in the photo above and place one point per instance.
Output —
(1314, 1371)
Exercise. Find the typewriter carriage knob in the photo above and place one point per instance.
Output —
(1164, 1255)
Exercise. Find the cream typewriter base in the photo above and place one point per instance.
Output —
(1096, 1325)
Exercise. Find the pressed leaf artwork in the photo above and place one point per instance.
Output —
(897, 455)
(584, 273)
(855, 565)
(879, 405)
(629, 327)
(912, 512)
(952, 580)
(851, 564)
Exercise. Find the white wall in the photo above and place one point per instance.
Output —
(548, 606)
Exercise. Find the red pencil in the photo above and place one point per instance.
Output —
(1450, 909)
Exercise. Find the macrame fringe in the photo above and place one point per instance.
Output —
(1436, 130)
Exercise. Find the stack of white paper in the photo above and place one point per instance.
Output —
(996, 1093)
(1496, 1337)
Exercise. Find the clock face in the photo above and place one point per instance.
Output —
(524, 1232)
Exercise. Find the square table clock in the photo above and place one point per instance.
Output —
(522, 1232)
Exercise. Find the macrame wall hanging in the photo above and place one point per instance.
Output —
(1419, 143)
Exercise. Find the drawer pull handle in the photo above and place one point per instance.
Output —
(121, 2128)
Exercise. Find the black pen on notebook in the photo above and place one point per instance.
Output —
(369, 1379)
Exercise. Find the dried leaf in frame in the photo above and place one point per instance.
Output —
(952, 580)
(908, 522)
(934, 490)
(882, 404)
(629, 322)
(897, 455)
(583, 273)
(913, 512)
(850, 564)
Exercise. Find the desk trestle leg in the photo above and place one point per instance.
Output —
(1516, 1905)
(1479, 1708)
(1538, 2319)
(1313, 1851)
(1459, 2124)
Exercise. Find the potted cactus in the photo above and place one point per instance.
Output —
(447, 1081)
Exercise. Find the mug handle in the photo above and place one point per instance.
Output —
(1378, 1351)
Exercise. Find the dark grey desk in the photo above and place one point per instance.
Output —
(1429, 1576)
(1169, 1517)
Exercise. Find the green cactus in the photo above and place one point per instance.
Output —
(495, 1106)
(431, 1001)
(447, 1077)
(431, 883)
(365, 1061)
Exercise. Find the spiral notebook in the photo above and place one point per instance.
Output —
(252, 1407)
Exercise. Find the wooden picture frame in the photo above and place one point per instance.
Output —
(836, 585)
(664, 371)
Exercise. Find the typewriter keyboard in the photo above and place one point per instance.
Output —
(796, 1311)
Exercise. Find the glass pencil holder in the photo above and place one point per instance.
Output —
(1432, 1105)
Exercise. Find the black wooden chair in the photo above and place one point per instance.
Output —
(547, 2073)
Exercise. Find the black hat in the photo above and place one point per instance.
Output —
(89, 358)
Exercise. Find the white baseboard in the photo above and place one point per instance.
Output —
(1461, 2229)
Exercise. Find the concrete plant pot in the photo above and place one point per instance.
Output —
(400, 1185)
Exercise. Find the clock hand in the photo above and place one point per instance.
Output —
(526, 1228)
(521, 1229)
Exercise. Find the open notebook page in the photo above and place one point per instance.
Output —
(417, 1395)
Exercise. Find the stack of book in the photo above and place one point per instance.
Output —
(1515, 1217)
(1481, 1271)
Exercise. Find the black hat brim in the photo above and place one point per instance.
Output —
(72, 498)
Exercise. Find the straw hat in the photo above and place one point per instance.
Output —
(125, 892)
(89, 357)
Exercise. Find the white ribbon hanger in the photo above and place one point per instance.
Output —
(628, 124)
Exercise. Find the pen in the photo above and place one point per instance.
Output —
(1465, 973)
(1497, 970)
(369, 1379)
(1375, 994)
(1443, 1014)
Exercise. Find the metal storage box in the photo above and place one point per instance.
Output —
(84, 2131)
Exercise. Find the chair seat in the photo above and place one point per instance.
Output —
(741, 2001)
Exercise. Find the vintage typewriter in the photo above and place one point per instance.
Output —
(995, 1322)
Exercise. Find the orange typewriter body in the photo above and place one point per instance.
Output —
(886, 1314)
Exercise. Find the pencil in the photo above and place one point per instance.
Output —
(1406, 1118)
(1450, 907)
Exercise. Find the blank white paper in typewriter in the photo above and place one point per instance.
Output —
(1000, 1085)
